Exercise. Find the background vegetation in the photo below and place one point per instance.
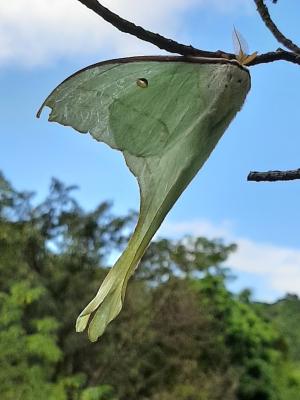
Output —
(181, 335)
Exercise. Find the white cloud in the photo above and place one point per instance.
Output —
(277, 265)
(280, 265)
(196, 228)
(38, 31)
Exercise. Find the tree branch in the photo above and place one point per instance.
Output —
(174, 47)
(272, 176)
(160, 41)
(278, 55)
(265, 15)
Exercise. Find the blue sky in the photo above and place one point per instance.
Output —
(39, 47)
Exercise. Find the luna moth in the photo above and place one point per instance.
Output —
(166, 115)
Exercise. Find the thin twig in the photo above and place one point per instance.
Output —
(174, 47)
(160, 41)
(272, 176)
(265, 15)
(278, 55)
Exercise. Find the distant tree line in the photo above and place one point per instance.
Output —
(182, 335)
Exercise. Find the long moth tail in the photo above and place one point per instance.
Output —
(108, 301)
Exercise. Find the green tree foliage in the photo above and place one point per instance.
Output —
(181, 335)
(285, 317)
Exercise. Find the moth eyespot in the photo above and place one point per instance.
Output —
(142, 82)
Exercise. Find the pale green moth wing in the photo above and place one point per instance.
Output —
(165, 114)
